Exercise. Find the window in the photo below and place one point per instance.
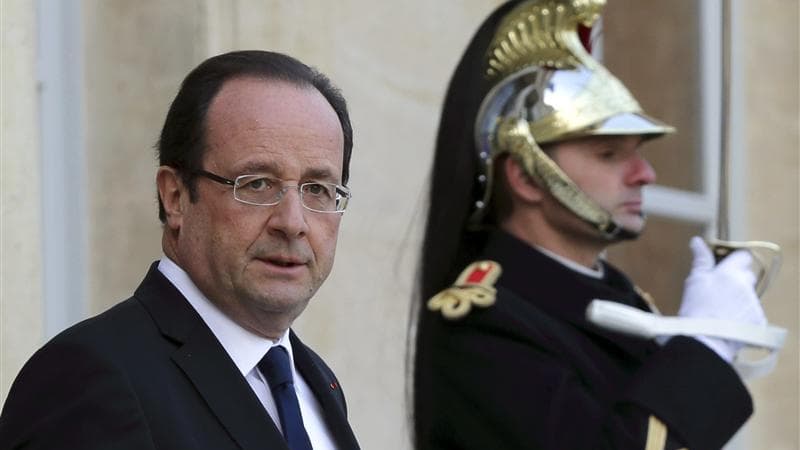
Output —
(669, 55)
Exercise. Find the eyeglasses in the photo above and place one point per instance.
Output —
(265, 191)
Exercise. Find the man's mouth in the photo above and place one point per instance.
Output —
(284, 262)
(634, 205)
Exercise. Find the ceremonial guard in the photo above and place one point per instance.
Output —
(539, 167)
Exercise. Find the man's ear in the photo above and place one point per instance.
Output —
(173, 194)
(520, 185)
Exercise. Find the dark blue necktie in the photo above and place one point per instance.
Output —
(277, 368)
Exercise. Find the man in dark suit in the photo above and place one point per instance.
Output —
(254, 156)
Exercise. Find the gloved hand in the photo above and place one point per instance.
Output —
(722, 291)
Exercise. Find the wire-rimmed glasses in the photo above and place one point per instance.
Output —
(261, 190)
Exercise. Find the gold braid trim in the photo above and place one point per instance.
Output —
(651, 302)
(656, 434)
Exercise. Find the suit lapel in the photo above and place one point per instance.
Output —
(328, 393)
(207, 366)
(227, 393)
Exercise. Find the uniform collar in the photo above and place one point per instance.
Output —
(556, 288)
(561, 292)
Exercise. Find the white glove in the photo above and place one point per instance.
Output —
(723, 291)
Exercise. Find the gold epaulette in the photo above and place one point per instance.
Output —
(475, 286)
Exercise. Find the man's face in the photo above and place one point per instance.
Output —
(611, 171)
(259, 263)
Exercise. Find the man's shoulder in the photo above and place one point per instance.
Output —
(110, 343)
(123, 327)
(127, 320)
(104, 337)
(122, 315)
(88, 372)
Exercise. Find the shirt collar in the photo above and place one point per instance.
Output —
(597, 274)
(244, 347)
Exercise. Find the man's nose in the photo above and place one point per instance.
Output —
(640, 172)
(288, 217)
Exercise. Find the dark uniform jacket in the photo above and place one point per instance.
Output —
(149, 374)
(529, 372)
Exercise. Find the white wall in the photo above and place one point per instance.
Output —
(21, 313)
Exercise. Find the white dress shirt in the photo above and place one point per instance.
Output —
(246, 350)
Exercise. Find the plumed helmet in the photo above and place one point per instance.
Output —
(545, 88)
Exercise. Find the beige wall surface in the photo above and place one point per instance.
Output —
(21, 316)
(772, 143)
(136, 54)
(392, 61)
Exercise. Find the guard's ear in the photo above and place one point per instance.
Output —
(521, 186)
(173, 194)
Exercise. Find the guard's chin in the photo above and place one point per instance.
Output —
(631, 231)
(625, 235)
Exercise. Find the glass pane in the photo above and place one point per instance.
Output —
(659, 261)
(653, 47)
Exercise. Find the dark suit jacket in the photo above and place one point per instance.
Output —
(530, 372)
(149, 374)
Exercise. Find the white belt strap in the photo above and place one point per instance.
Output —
(632, 321)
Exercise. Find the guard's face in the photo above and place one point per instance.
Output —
(611, 171)
(262, 262)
